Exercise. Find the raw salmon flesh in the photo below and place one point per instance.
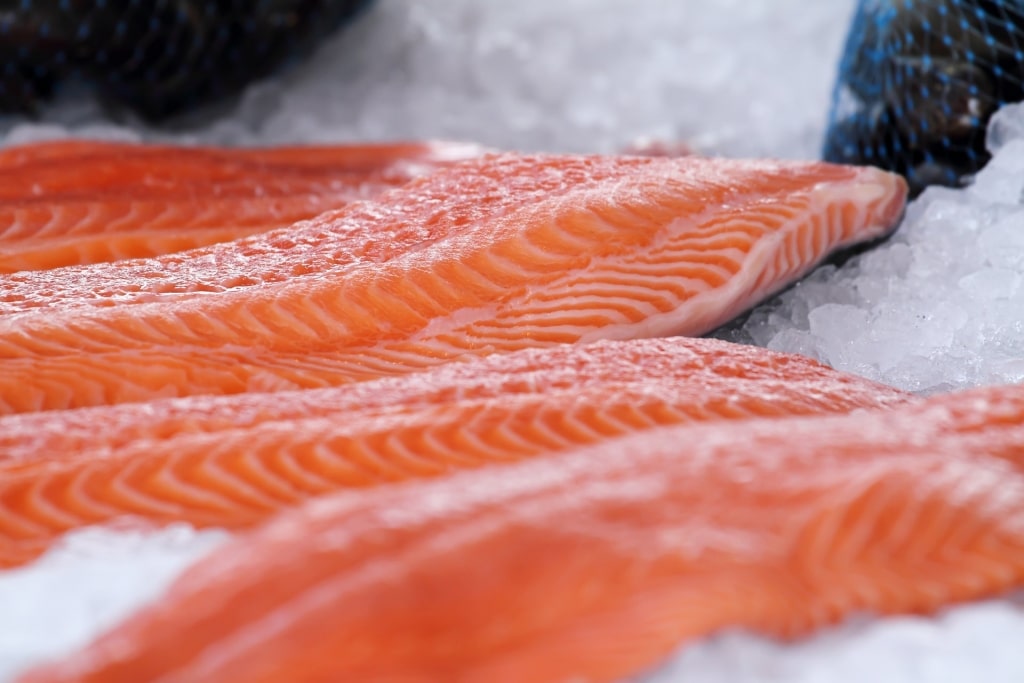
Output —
(594, 564)
(231, 461)
(493, 254)
(448, 399)
(73, 202)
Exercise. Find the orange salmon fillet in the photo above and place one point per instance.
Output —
(231, 461)
(77, 202)
(596, 564)
(489, 255)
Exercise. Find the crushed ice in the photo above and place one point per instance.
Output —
(89, 581)
(952, 647)
(940, 305)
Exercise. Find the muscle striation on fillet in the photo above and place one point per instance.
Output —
(597, 563)
(80, 202)
(495, 254)
(232, 461)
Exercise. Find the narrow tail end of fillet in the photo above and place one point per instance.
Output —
(883, 195)
(892, 190)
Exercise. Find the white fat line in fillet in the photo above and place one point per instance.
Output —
(726, 408)
(532, 258)
(956, 531)
(243, 322)
(648, 290)
(121, 477)
(710, 235)
(761, 263)
(515, 312)
(174, 479)
(931, 523)
(712, 268)
(303, 477)
(351, 461)
(849, 535)
(257, 454)
(15, 521)
(649, 280)
(393, 447)
(993, 493)
(434, 288)
(336, 587)
(728, 245)
(17, 224)
(790, 255)
(40, 507)
(16, 342)
(77, 480)
(706, 227)
(392, 453)
(518, 269)
(143, 332)
(126, 215)
(642, 263)
(460, 444)
(64, 220)
(400, 308)
(569, 240)
(248, 491)
(595, 422)
(464, 276)
(179, 216)
(945, 483)
(300, 318)
(55, 336)
(97, 333)
(645, 285)
(901, 542)
(32, 222)
(801, 247)
(370, 361)
(428, 290)
(535, 333)
(93, 380)
(572, 309)
(470, 276)
(317, 321)
(647, 412)
(547, 430)
(500, 443)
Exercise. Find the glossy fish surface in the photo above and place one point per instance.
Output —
(77, 202)
(232, 461)
(597, 563)
(494, 254)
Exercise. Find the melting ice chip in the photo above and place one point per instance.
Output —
(954, 646)
(89, 582)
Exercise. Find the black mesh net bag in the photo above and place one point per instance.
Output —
(157, 57)
(918, 82)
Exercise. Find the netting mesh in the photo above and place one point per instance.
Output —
(918, 81)
(156, 56)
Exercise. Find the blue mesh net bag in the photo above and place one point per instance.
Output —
(158, 57)
(918, 81)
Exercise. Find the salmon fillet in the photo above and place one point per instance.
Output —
(231, 461)
(490, 255)
(595, 564)
(75, 202)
